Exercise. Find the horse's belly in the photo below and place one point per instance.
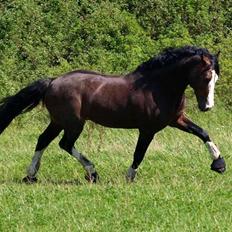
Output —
(113, 119)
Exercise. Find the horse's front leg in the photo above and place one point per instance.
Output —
(184, 124)
(145, 137)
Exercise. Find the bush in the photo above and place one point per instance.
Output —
(46, 38)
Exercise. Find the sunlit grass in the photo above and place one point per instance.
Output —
(175, 189)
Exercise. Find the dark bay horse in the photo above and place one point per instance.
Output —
(148, 99)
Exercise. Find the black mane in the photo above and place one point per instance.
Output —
(171, 56)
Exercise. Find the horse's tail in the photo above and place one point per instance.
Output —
(23, 101)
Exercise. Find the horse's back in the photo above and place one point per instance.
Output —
(107, 100)
(80, 94)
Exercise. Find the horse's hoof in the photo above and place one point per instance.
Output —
(29, 180)
(131, 174)
(92, 178)
(219, 165)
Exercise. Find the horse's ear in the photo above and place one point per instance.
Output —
(218, 53)
(205, 60)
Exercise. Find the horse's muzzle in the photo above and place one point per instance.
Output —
(203, 104)
(204, 107)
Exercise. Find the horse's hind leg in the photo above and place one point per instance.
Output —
(67, 143)
(50, 133)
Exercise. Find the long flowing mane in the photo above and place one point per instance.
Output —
(171, 56)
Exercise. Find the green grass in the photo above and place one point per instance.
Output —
(174, 190)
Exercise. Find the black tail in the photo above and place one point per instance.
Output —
(23, 101)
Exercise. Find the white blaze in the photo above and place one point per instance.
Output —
(211, 86)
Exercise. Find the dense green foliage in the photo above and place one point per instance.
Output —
(175, 189)
(46, 38)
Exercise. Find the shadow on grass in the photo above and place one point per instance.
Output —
(42, 182)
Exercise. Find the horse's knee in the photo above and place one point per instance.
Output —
(65, 145)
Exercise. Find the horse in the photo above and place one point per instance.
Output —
(148, 99)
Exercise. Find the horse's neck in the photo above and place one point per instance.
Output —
(170, 81)
(175, 80)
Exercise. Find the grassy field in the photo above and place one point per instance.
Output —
(174, 190)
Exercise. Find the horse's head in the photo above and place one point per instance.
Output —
(203, 79)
